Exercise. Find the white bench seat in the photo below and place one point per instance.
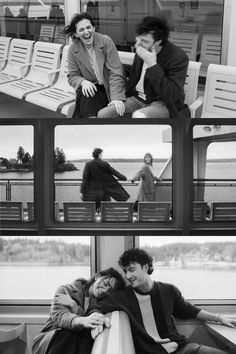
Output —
(4, 49)
(19, 59)
(45, 64)
(56, 96)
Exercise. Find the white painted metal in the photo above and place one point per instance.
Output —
(45, 64)
(57, 95)
(20, 56)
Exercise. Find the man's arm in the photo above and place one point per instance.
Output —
(209, 316)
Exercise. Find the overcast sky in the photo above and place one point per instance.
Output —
(115, 140)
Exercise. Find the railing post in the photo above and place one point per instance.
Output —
(8, 190)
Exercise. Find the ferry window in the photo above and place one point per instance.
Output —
(34, 20)
(17, 173)
(34, 267)
(202, 267)
(124, 147)
(197, 23)
(214, 173)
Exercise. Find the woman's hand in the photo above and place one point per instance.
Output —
(119, 105)
(88, 88)
(92, 321)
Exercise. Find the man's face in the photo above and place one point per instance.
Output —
(147, 41)
(136, 274)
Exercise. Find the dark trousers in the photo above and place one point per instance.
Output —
(71, 342)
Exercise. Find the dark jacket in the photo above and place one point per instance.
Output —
(165, 80)
(167, 302)
(100, 184)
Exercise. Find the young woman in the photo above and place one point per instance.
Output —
(147, 188)
(67, 329)
(94, 69)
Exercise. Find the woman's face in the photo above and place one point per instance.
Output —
(85, 32)
(148, 159)
(102, 286)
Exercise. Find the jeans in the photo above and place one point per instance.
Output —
(138, 108)
(194, 348)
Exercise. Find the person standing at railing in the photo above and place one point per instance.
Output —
(147, 190)
(94, 69)
(99, 182)
(67, 330)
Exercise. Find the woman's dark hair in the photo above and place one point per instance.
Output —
(97, 152)
(158, 27)
(70, 30)
(148, 154)
(108, 273)
(136, 255)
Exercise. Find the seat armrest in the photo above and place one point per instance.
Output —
(195, 105)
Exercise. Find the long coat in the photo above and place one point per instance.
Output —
(79, 66)
(100, 184)
(147, 189)
(163, 81)
(61, 316)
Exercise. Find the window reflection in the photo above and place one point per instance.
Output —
(214, 173)
(39, 20)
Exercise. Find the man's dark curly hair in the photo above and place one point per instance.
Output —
(157, 26)
(70, 30)
(109, 273)
(136, 255)
(97, 152)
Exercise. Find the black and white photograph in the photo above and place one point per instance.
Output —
(117, 177)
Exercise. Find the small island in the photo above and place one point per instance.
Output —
(24, 162)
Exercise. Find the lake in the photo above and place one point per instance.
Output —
(40, 282)
(71, 193)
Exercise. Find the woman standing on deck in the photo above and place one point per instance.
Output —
(148, 180)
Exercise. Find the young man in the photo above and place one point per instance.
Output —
(99, 183)
(151, 307)
(157, 77)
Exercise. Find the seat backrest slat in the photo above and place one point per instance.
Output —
(116, 211)
(79, 211)
(154, 211)
(11, 210)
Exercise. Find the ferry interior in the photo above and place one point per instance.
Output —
(49, 236)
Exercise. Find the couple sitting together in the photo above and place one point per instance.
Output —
(77, 310)
(155, 88)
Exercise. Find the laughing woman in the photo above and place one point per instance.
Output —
(94, 69)
(67, 329)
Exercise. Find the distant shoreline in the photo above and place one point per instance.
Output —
(154, 160)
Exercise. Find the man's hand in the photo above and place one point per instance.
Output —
(226, 321)
(88, 88)
(119, 105)
(150, 58)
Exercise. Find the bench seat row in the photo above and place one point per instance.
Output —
(37, 72)
(120, 211)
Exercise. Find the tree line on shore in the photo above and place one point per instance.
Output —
(24, 161)
(26, 250)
